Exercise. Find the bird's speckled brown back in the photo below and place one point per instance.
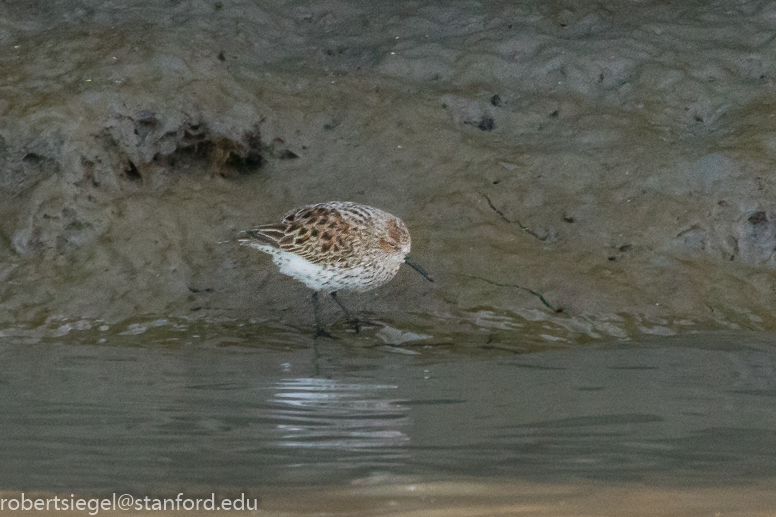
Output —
(338, 233)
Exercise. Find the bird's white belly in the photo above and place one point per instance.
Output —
(329, 278)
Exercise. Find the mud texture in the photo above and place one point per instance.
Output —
(567, 172)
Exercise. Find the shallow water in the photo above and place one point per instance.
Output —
(226, 407)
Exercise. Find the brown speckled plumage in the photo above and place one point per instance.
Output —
(336, 245)
(353, 246)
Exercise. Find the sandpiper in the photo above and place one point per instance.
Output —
(336, 246)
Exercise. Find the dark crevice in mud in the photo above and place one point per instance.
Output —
(32, 158)
(225, 157)
(515, 286)
(484, 124)
(758, 217)
(131, 172)
(499, 212)
(527, 230)
(22, 169)
(188, 145)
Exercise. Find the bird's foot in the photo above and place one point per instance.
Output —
(359, 324)
(321, 332)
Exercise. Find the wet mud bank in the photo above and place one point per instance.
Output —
(567, 173)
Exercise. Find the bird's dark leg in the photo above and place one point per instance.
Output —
(319, 331)
(352, 320)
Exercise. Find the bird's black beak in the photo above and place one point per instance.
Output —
(417, 268)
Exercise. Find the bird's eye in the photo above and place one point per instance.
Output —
(388, 247)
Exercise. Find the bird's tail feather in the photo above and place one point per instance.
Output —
(269, 234)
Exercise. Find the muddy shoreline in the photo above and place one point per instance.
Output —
(550, 192)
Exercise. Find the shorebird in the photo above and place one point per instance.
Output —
(336, 246)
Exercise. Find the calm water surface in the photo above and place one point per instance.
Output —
(176, 409)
